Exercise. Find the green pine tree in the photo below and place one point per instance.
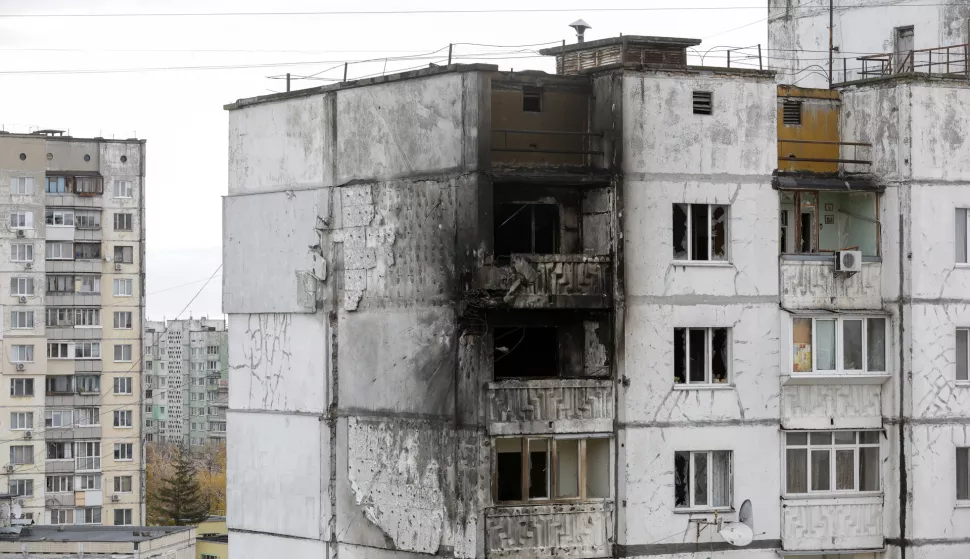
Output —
(180, 500)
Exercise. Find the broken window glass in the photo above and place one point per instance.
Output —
(682, 479)
(526, 228)
(719, 242)
(598, 468)
(525, 352)
(961, 235)
(567, 468)
(698, 232)
(719, 355)
(696, 342)
(531, 100)
(680, 232)
(509, 466)
(700, 479)
(680, 355)
(539, 468)
(701, 355)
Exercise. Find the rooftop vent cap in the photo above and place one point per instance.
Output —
(580, 26)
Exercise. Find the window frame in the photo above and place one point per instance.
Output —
(122, 316)
(708, 357)
(27, 349)
(21, 282)
(125, 385)
(832, 449)
(123, 419)
(552, 476)
(119, 452)
(126, 517)
(22, 449)
(123, 218)
(119, 484)
(691, 493)
(21, 186)
(21, 421)
(24, 383)
(839, 350)
(689, 257)
(124, 254)
(962, 332)
(21, 220)
(130, 287)
(52, 214)
(56, 483)
(120, 349)
(965, 499)
(27, 322)
(28, 251)
(123, 189)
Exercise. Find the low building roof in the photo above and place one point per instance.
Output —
(74, 533)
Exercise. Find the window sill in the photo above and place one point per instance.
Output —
(124, 460)
(833, 495)
(828, 257)
(848, 378)
(705, 510)
(724, 386)
(962, 505)
(703, 263)
(963, 384)
(963, 265)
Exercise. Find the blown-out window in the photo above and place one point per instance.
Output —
(701, 355)
(700, 232)
(551, 469)
(702, 479)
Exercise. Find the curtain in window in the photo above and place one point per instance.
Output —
(721, 479)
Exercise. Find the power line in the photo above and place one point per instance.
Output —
(443, 12)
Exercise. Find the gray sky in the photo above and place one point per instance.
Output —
(46, 81)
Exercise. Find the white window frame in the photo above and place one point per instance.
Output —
(87, 350)
(122, 385)
(119, 483)
(88, 482)
(122, 219)
(21, 186)
(90, 285)
(21, 219)
(22, 353)
(839, 345)
(123, 320)
(87, 453)
(21, 287)
(126, 517)
(19, 387)
(67, 446)
(60, 483)
(708, 370)
(22, 451)
(710, 239)
(962, 228)
(123, 449)
(21, 421)
(123, 287)
(62, 516)
(87, 318)
(123, 419)
(691, 490)
(21, 320)
(124, 254)
(81, 515)
(119, 353)
(61, 350)
(962, 334)
(28, 485)
(58, 418)
(66, 216)
(84, 416)
(59, 250)
(831, 449)
(21, 252)
(123, 189)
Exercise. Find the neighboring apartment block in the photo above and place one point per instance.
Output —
(588, 315)
(72, 279)
(186, 381)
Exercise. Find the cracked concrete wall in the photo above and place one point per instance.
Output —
(798, 33)
(350, 215)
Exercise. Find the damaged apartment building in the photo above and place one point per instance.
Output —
(487, 314)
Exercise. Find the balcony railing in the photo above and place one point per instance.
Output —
(839, 523)
(548, 281)
(793, 154)
(951, 61)
(550, 406)
(574, 530)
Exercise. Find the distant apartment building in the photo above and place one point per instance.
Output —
(72, 279)
(186, 381)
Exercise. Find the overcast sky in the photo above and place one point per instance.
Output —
(51, 76)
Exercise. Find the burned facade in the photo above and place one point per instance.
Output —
(476, 313)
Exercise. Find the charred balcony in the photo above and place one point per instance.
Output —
(551, 248)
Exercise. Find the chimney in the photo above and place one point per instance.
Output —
(580, 26)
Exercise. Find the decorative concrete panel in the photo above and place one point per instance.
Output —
(575, 530)
(832, 524)
(550, 406)
(549, 281)
(828, 406)
(815, 285)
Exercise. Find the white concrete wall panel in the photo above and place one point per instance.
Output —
(279, 362)
(286, 144)
(276, 467)
(940, 121)
(260, 546)
(400, 128)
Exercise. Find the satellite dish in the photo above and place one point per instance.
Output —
(740, 533)
(17, 510)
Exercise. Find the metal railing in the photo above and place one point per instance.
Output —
(854, 160)
(951, 61)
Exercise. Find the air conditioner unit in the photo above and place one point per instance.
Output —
(115, 498)
(9, 468)
(117, 267)
(29, 266)
(28, 435)
(23, 299)
(21, 233)
(848, 261)
(21, 366)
